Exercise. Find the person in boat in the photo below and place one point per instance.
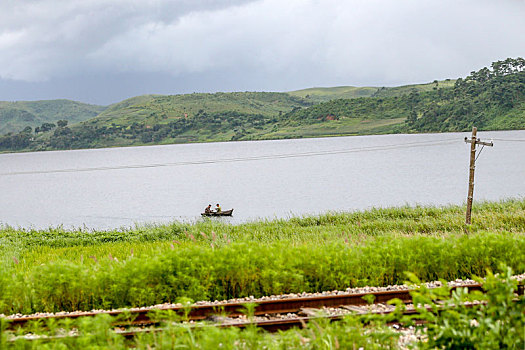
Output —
(208, 209)
(218, 208)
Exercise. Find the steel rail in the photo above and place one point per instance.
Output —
(235, 309)
(274, 325)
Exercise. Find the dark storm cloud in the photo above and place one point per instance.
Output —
(131, 47)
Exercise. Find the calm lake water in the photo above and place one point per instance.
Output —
(122, 187)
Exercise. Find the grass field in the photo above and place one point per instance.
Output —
(54, 269)
(60, 270)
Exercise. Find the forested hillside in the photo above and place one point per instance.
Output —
(15, 116)
(491, 99)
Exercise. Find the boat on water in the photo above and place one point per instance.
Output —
(221, 213)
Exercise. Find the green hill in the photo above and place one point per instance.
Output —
(15, 116)
(491, 99)
(407, 89)
(159, 109)
(320, 94)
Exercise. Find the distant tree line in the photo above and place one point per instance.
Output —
(25, 138)
(88, 136)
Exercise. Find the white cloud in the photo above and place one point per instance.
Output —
(56, 37)
(294, 42)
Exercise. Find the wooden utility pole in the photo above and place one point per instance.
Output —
(473, 142)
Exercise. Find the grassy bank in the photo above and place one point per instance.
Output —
(54, 269)
(504, 216)
(242, 269)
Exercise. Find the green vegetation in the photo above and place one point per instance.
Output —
(156, 109)
(332, 93)
(419, 88)
(345, 92)
(241, 269)
(166, 119)
(56, 270)
(15, 116)
(496, 323)
(491, 99)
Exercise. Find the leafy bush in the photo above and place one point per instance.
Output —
(497, 323)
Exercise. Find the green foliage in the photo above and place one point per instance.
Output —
(347, 92)
(497, 322)
(489, 99)
(242, 269)
(363, 108)
(14, 119)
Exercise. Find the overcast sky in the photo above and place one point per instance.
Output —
(103, 51)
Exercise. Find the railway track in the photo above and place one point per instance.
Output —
(270, 314)
(236, 309)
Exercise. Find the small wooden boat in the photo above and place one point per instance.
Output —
(221, 213)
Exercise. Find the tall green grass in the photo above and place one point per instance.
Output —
(506, 215)
(242, 269)
(34, 247)
(56, 269)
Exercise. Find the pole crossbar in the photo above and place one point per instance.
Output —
(479, 142)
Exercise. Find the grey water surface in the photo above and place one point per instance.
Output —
(123, 187)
